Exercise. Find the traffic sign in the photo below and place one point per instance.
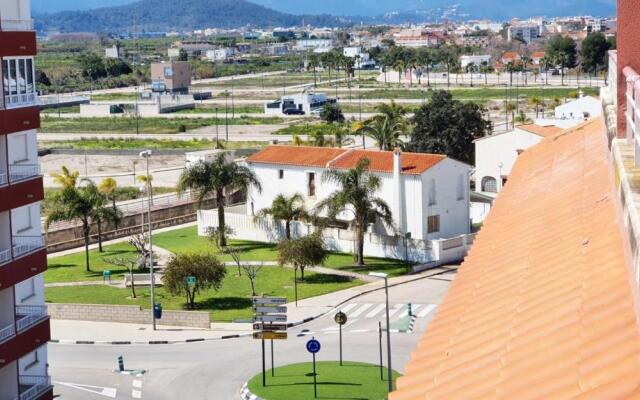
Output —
(270, 309)
(313, 346)
(269, 300)
(191, 281)
(270, 327)
(270, 335)
(269, 318)
(340, 318)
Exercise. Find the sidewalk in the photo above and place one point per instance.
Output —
(72, 332)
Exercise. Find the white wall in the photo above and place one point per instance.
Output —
(23, 148)
(25, 221)
(500, 149)
(34, 363)
(30, 292)
(8, 382)
(576, 109)
(15, 10)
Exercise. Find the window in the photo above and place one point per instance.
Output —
(168, 72)
(432, 192)
(19, 148)
(461, 185)
(311, 184)
(30, 289)
(280, 174)
(21, 219)
(18, 80)
(433, 224)
(489, 184)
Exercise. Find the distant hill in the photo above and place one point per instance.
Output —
(166, 15)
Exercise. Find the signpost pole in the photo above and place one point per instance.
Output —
(295, 284)
(315, 381)
(273, 373)
(380, 340)
(340, 345)
(264, 375)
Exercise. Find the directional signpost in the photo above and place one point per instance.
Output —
(191, 281)
(269, 323)
(341, 319)
(313, 346)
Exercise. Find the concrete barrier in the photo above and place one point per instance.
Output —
(127, 314)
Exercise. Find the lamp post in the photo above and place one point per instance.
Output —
(386, 292)
(147, 155)
(217, 130)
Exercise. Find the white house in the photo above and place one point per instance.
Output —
(428, 193)
(476, 60)
(362, 59)
(496, 154)
(317, 45)
(585, 107)
(221, 54)
(306, 102)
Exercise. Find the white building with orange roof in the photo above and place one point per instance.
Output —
(428, 193)
(496, 154)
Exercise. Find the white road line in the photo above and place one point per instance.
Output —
(360, 310)
(137, 384)
(376, 310)
(395, 309)
(136, 394)
(415, 307)
(101, 391)
(347, 308)
(358, 330)
(428, 309)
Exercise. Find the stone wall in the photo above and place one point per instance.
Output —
(127, 314)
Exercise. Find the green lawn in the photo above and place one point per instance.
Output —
(62, 110)
(114, 96)
(221, 110)
(231, 302)
(51, 124)
(352, 380)
(153, 144)
(480, 94)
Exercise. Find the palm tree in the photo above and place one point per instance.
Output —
(67, 178)
(522, 119)
(399, 66)
(546, 63)
(510, 108)
(314, 62)
(109, 188)
(341, 135)
(286, 209)
(356, 193)
(392, 110)
(217, 177)
(426, 58)
(562, 59)
(471, 68)
(526, 60)
(485, 69)
(147, 181)
(537, 101)
(73, 203)
(100, 212)
(386, 131)
(317, 139)
(511, 68)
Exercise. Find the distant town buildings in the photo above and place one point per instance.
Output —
(116, 52)
(171, 77)
(526, 32)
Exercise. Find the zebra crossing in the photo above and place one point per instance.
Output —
(369, 314)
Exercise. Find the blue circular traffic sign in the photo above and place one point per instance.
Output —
(313, 346)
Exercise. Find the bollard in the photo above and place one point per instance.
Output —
(120, 363)
(410, 310)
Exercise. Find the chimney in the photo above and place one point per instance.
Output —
(398, 191)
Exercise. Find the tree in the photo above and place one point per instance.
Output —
(385, 131)
(546, 63)
(66, 178)
(356, 194)
(42, 78)
(526, 61)
(72, 204)
(128, 262)
(471, 68)
(100, 213)
(485, 68)
(183, 55)
(341, 135)
(331, 113)
(116, 67)
(286, 209)
(522, 119)
(392, 109)
(219, 178)
(147, 181)
(537, 101)
(301, 253)
(594, 52)
(207, 270)
(109, 187)
(448, 126)
(92, 66)
(562, 50)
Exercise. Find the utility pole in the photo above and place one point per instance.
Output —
(147, 155)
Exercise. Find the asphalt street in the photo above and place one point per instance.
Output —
(217, 370)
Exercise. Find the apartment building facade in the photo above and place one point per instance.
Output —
(24, 324)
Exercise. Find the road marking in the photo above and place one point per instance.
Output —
(359, 330)
(136, 394)
(415, 307)
(137, 384)
(375, 311)
(360, 310)
(395, 309)
(427, 310)
(101, 391)
(348, 307)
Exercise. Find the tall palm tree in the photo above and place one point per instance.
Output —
(341, 135)
(356, 194)
(537, 101)
(392, 110)
(73, 203)
(66, 178)
(286, 209)
(471, 68)
(109, 188)
(386, 131)
(511, 68)
(218, 177)
(546, 63)
(399, 66)
(526, 61)
(485, 70)
(100, 213)
(147, 181)
(562, 59)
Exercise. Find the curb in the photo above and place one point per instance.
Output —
(245, 394)
(289, 325)
(412, 324)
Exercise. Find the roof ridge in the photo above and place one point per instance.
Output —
(338, 157)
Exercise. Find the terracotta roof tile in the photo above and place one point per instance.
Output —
(542, 307)
(381, 161)
(540, 130)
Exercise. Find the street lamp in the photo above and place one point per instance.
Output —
(147, 155)
(384, 276)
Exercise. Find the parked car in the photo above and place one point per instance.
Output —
(293, 111)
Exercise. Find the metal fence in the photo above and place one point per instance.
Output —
(7, 333)
(22, 172)
(26, 244)
(38, 384)
(28, 316)
(5, 256)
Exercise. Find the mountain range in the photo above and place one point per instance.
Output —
(163, 15)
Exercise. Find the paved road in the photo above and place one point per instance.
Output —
(217, 370)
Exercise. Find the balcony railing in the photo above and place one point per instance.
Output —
(7, 332)
(34, 386)
(3, 179)
(23, 172)
(20, 100)
(23, 245)
(633, 109)
(5, 256)
(16, 24)
(27, 316)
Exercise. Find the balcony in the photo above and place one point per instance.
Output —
(5, 256)
(33, 386)
(3, 179)
(28, 316)
(23, 245)
(16, 25)
(7, 332)
(23, 172)
(21, 100)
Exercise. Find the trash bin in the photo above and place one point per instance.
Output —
(157, 311)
